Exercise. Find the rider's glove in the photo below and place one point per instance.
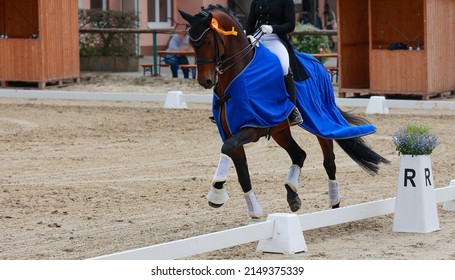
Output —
(266, 29)
(252, 40)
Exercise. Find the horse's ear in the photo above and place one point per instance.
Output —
(189, 18)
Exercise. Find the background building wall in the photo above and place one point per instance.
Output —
(146, 40)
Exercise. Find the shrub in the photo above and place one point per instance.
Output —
(310, 43)
(415, 139)
(107, 44)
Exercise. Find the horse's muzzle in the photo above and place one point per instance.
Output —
(206, 83)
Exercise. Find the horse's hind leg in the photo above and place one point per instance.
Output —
(330, 169)
(298, 156)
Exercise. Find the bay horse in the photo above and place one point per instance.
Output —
(227, 61)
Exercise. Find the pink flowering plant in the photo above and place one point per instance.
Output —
(414, 139)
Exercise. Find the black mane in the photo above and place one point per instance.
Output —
(226, 10)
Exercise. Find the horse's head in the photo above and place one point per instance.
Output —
(216, 37)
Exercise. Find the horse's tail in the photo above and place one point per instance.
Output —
(354, 120)
(358, 150)
(362, 154)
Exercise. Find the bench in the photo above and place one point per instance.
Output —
(191, 67)
(149, 68)
(333, 72)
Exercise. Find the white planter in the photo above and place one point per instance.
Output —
(415, 205)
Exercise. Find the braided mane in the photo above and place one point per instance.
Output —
(226, 10)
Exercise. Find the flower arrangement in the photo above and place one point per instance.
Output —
(415, 139)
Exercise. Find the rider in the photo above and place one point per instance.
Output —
(276, 18)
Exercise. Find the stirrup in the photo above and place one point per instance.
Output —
(295, 118)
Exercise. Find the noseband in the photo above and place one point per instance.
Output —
(220, 64)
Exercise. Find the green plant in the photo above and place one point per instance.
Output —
(107, 43)
(310, 43)
(415, 139)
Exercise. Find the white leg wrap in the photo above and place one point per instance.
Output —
(254, 208)
(222, 169)
(217, 196)
(293, 177)
(334, 193)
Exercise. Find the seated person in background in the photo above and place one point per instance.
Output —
(178, 41)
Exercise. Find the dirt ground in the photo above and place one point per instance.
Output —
(81, 179)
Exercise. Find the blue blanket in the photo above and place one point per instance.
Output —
(257, 97)
(316, 103)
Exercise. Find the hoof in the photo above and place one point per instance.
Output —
(214, 205)
(294, 203)
(293, 199)
(217, 197)
(335, 204)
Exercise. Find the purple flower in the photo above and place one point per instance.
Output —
(414, 139)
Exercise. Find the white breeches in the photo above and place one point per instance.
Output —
(274, 44)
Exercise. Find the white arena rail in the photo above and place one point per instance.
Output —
(277, 234)
(199, 244)
(368, 210)
(177, 99)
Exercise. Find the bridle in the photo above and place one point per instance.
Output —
(220, 63)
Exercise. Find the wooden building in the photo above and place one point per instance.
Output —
(39, 41)
(369, 29)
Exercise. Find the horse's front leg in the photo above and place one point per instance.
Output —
(330, 169)
(233, 149)
(218, 195)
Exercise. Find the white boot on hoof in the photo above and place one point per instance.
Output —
(334, 193)
(222, 169)
(292, 180)
(217, 197)
(254, 208)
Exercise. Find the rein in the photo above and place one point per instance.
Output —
(220, 63)
(246, 50)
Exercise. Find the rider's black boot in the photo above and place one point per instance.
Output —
(294, 117)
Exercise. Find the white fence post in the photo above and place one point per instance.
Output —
(415, 205)
(287, 235)
(174, 100)
(377, 105)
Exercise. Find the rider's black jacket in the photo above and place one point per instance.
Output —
(280, 14)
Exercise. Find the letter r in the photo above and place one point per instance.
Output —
(409, 174)
(427, 176)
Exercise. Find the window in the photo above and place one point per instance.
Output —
(130, 5)
(99, 4)
(159, 13)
